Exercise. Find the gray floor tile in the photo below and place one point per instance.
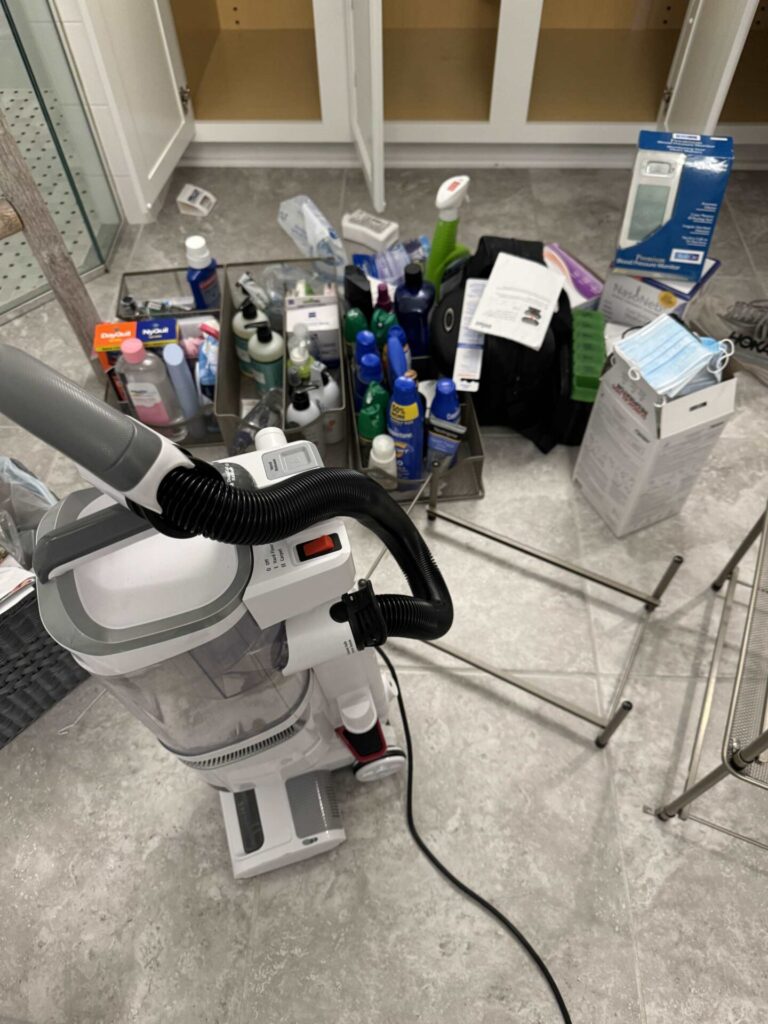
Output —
(748, 202)
(243, 225)
(695, 894)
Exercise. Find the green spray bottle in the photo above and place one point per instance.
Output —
(444, 249)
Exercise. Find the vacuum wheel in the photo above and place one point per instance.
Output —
(388, 764)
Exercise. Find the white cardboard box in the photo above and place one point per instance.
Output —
(635, 301)
(639, 460)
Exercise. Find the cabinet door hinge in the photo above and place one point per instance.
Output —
(185, 95)
(666, 96)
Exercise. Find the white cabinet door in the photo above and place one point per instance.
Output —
(365, 62)
(142, 76)
(710, 44)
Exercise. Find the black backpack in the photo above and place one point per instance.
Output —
(520, 388)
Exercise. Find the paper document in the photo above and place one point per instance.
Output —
(468, 362)
(519, 300)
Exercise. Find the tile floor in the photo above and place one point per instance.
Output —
(118, 905)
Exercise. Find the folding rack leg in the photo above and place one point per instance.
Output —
(709, 691)
(617, 702)
(619, 708)
(739, 760)
(739, 553)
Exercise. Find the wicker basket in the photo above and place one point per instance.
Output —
(34, 671)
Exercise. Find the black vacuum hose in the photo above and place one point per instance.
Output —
(199, 501)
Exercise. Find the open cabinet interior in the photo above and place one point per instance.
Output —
(747, 99)
(249, 60)
(439, 58)
(604, 60)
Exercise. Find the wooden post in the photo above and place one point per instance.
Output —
(24, 200)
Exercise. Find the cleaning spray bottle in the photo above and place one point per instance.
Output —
(444, 249)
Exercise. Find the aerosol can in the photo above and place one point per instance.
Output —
(444, 249)
(219, 604)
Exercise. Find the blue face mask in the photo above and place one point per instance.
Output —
(667, 356)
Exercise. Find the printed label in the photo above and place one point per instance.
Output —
(144, 396)
(404, 413)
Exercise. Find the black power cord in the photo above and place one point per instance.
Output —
(439, 866)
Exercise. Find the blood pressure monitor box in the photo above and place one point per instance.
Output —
(640, 458)
(677, 188)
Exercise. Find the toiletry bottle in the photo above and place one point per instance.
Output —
(382, 461)
(397, 363)
(383, 298)
(445, 404)
(150, 389)
(354, 322)
(328, 397)
(266, 351)
(365, 344)
(377, 396)
(405, 422)
(184, 385)
(202, 274)
(244, 324)
(381, 321)
(413, 301)
(368, 371)
(300, 361)
(305, 413)
(369, 426)
(398, 332)
(443, 440)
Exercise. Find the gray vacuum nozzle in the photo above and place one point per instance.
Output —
(105, 442)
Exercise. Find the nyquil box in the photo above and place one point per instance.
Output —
(677, 188)
(639, 459)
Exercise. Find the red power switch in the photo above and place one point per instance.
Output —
(318, 546)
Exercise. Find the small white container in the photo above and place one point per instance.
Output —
(244, 325)
(383, 461)
(328, 397)
(266, 350)
(305, 413)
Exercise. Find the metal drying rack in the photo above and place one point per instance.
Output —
(745, 743)
(619, 707)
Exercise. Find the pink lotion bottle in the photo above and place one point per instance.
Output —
(150, 389)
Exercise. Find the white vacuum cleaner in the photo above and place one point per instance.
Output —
(218, 604)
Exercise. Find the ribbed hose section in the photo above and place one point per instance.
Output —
(194, 502)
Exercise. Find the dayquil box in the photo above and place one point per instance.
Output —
(639, 459)
(635, 301)
(678, 184)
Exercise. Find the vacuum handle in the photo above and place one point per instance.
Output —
(110, 447)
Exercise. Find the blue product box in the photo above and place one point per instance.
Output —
(677, 188)
(157, 332)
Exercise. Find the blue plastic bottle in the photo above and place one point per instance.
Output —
(405, 424)
(365, 344)
(397, 360)
(445, 404)
(202, 274)
(413, 301)
(368, 371)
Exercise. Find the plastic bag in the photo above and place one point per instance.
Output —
(312, 232)
(24, 500)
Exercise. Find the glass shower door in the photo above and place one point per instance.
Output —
(43, 110)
